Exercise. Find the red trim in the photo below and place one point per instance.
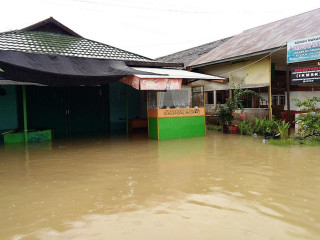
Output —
(292, 116)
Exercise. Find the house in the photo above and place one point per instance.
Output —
(52, 78)
(259, 55)
(258, 58)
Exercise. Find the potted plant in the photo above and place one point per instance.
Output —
(226, 112)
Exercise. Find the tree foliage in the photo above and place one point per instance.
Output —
(226, 112)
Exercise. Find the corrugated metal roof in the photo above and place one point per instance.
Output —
(58, 44)
(269, 36)
(189, 55)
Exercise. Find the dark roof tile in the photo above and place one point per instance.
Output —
(189, 55)
(58, 44)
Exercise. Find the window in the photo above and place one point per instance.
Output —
(247, 101)
(222, 96)
(209, 97)
(278, 100)
(274, 100)
(282, 100)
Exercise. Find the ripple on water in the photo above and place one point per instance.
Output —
(178, 189)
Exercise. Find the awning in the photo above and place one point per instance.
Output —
(54, 70)
(164, 79)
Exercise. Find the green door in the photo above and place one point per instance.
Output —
(46, 109)
(88, 111)
(70, 111)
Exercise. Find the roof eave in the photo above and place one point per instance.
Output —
(237, 57)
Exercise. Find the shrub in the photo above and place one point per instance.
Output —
(264, 126)
(283, 128)
(245, 127)
(309, 121)
(214, 127)
(226, 112)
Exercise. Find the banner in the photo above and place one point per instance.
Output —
(304, 75)
(160, 84)
(152, 83)
(305, 49)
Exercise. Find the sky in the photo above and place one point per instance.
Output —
(152, 28)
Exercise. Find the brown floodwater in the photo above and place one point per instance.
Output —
(215, 187)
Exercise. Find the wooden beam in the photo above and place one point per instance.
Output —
(288, 98)
(270, 91)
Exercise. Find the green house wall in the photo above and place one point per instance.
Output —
(8, 109)
(119, 95)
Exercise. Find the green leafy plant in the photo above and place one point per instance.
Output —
(270, 126)
(259, 126)
(309, 122)
(226, 112)
(245, 127)
(283, 128)
(214, 128)
(263, 126)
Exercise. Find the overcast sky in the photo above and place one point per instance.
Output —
(152, 28)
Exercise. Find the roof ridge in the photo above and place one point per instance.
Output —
(54, 21)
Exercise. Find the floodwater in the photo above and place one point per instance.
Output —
(215, 187)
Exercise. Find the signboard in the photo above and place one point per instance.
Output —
(175, 112)
(152, 83)
(305, 49)
(160, 83)
(304, 75)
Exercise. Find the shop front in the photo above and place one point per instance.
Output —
(176, 113)
(174, 110)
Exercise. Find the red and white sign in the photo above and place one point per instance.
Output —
(152, 83)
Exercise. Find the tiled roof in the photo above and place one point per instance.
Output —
(189, 55)
(58, 44)
(264, 38)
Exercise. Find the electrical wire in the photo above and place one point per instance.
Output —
(269, 54)
(142, 7)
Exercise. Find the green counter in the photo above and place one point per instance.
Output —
(171, 128)
(33, 136)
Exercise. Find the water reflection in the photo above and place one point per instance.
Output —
(221, 186)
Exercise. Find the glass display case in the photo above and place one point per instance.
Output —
(187, 97)
(176, 113)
